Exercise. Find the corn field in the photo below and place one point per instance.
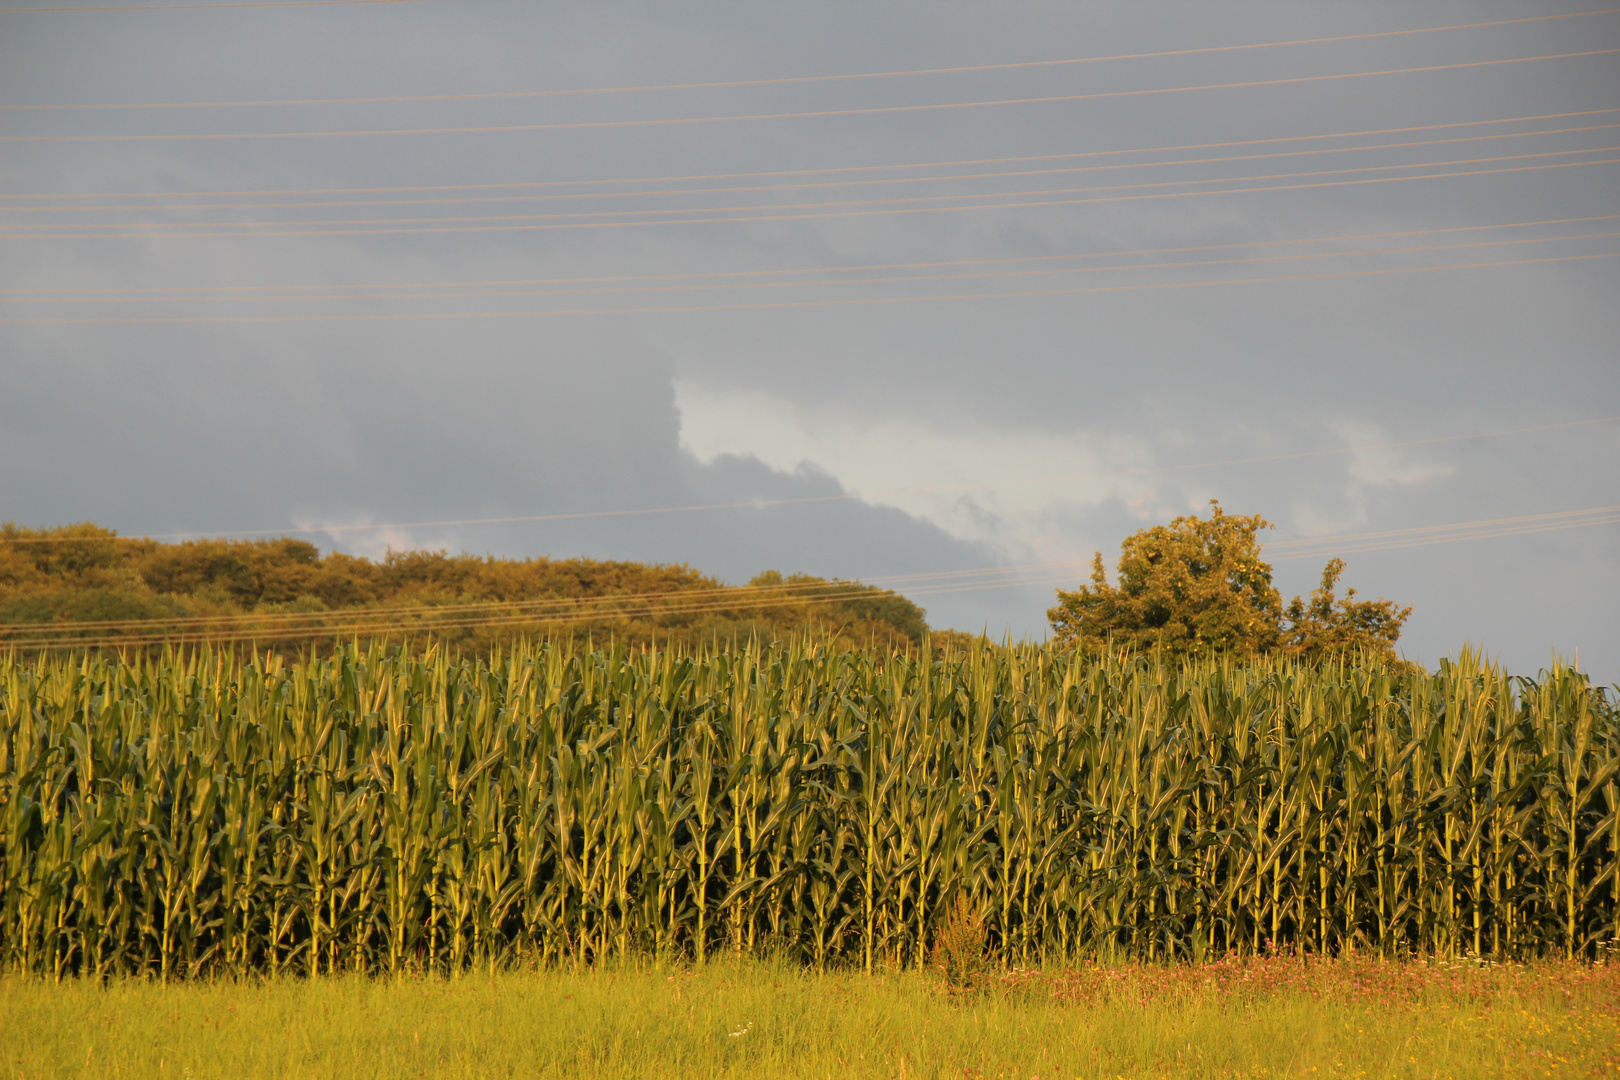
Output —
(388, 811)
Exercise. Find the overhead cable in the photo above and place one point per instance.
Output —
(507, 94)
(981, 275)
(361, 621)
(815, 172)
(788, 304)
(883, 181)
(295, 291)
(885, 493)
(876, 110)
(737, 218)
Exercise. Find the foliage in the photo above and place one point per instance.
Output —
(1328, 625)
(1199, 588)
(385, 810)
(1196, 587)
(85, 584)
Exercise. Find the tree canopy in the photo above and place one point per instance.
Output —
(1199, 587)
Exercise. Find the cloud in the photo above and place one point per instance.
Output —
(1012, 491)
(1370, 473)
(363, 536)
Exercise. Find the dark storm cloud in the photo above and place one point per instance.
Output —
(355, 427)
(218, 427)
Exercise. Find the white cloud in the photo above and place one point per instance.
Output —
(1016, 491)
(358, 536)
(1368, 472)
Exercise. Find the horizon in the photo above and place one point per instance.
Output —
(1004, 640)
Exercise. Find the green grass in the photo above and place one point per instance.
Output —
(1270, 1017)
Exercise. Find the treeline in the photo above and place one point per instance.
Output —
(386, 811)
(86, 586)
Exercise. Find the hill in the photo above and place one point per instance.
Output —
(86, 585)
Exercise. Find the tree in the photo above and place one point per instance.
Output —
(1327, 625)
(1199, 587)
(1192, 586)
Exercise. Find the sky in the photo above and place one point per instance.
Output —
(943, 296)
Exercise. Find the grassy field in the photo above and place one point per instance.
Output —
(1258, 1017)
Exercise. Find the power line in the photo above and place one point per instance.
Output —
(544, 607)
(496, 95)
(825, 184)
(1264, 459)
(1449, 534)
(539, 607)
(1025, 205)
(1420, 531)
(898, 201)
(818, 113)
(785, 304)
(372, 628)
(550, 610)
(99, 292)
(888, 180)
(377, 621)
(817, 172)
(892, 279)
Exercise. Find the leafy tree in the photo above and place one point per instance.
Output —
(1326, 625)
(1192, 586)
(1199, 587)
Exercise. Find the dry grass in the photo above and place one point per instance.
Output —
(1258, 1017)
